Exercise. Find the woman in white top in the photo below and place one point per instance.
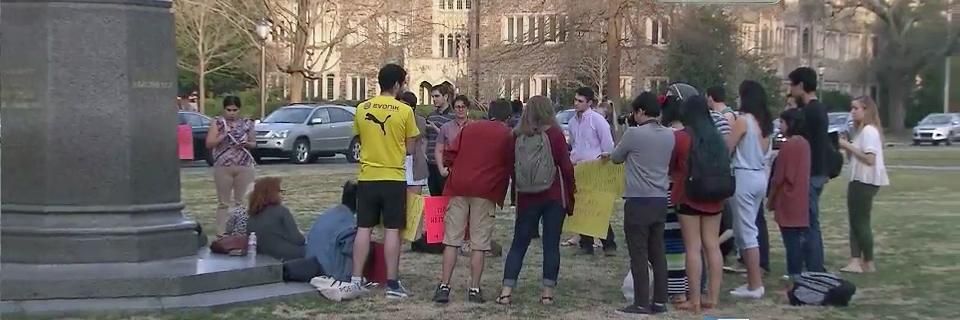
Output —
(867, 175)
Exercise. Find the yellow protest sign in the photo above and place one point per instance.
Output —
(414, 216)
(596, 176)
(598, 186)
(591, 214)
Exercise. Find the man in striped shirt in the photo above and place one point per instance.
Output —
(722, 115)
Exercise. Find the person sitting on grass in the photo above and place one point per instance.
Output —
(277, 232)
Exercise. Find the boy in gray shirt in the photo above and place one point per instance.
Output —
(646, 150)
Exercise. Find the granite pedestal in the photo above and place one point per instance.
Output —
(91, 203)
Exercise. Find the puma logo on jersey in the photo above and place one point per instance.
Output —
(374, 119)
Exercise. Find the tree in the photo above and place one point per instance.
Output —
(703, 50)
(206, 42)
(311, 37)
(910, 36)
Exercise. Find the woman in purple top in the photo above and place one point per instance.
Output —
(229, 139)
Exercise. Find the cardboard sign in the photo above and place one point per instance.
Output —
(591, 214)
(434, 209)
(414, 216)
(185, 142)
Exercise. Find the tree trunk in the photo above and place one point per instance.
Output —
(296, 87)
(613, 60)
(897, 109)
(201, 84)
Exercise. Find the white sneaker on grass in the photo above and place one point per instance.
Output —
(744, 293)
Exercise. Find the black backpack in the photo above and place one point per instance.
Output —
(821, 289)
(709, 179)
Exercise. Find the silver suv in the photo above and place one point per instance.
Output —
(303, 132)
(936, 128)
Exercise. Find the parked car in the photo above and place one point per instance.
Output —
(563, 119)
(937, 128)
(303, 132)
(199, 125)
(838, 123)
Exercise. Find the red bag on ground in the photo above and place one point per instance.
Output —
(376, 268)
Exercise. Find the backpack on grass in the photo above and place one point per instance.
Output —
(821, 289)
(535, 168)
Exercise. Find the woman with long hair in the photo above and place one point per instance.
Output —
(748, 141)
(230, 138)
(277, 233)
(699, 220)
(789, 187)
(867, 174)
(551, 205)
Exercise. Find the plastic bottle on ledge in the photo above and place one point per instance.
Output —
(252, 244)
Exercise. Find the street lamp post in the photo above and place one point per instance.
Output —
(263, 30)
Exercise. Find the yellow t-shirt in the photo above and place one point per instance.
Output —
(383, 124)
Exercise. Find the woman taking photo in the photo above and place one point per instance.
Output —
(867, 175)
(748, 143)
(699, 220)
(229, 138)
(551, 205)
(277, 233)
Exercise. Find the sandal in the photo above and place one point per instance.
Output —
(504, 300)
(546, 301)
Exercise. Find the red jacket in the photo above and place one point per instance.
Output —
(480, 159)
(680, 171)
(561, 157)
(790, 184)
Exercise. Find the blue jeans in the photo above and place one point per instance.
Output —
(813, 247)
(793, 241)
(552, 213)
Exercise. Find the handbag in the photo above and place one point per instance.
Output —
(234, 245)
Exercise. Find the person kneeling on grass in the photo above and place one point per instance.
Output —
(480, 161)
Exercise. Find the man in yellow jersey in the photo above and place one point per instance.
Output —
(386, 126)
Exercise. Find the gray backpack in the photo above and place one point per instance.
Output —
(534, 164)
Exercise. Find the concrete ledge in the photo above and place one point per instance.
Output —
(203, 272)
(209, 301)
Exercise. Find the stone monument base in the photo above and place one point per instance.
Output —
(204, 281)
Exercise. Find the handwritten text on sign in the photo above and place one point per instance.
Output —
(598, 186)
(434, 209)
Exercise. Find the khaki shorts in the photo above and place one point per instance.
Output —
(475, 212)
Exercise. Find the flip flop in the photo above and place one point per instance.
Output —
(504, 300)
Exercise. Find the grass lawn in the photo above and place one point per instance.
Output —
(914, 221)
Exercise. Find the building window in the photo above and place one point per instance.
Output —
(330, 85)
(520, 36)
(657, 31)
(832, 46)
(791, 41)
(443, 45)
(626, 87)
(459, 4)
(510, 32)
(443, 4)
(450, 4)
(466, 4)
(551, 28)
(562, 28)
(534, 28)
(450, 46)
(459, 46)
(805, 41)
(748, 36)
(656, 85)
(358, 88)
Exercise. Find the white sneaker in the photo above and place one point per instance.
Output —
(350, 291)
(322, 282)
(744, 293)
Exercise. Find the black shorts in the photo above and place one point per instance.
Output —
(382, 199)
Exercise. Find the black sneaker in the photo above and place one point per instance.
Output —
(633, 309)
(658, 308)
(473, 295)
(442, 295)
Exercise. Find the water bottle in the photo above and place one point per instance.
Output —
(252, 244)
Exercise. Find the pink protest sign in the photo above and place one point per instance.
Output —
(434, 209)
(185, 142)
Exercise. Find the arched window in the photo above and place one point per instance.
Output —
(425, 92)
(805, 41)
(442, 46)
(458, 45)
(450, 46)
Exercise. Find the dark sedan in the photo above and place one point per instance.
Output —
(199, 125)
